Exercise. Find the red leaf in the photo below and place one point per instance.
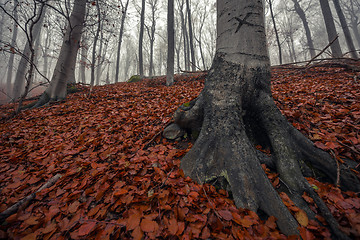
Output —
(225, 214)
(148, 225)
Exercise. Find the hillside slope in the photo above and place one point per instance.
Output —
(121, 179)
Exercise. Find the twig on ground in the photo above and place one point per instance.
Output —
(14, 208)
(338, 169)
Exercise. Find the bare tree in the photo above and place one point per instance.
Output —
(302, 16)
(330, 28)
(345, 29)
(352, 12)
(191, 38)
(171, 43)
(141, 37)
(151, 33)
(13, 44)
(275, 29)
(124, 8)
(65, 65)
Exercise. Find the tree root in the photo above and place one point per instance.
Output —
(224, 152)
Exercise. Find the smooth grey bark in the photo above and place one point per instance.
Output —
(302, 16)
(276, 31)
(236, 111)
(330, 28)
(12, 55)
(64, 69)
(191, 38)
(19, 82)
(184, 34)
(99, 68)
(171, 44)
(122, 25)
(345, 29)
(141, 37)
(46, 52)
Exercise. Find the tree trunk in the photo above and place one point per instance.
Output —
(171, 43)
(12, 56)
(19, 81)
(276, 31)
(236, 111)
(302, 16)
(101, 57)
(330, 28)
(122, 25)
(83, 59)
(346, 30)
(65, 65)
(191, 39)
(96, 38)
(141, 36)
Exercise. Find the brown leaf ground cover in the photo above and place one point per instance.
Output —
(121, 179)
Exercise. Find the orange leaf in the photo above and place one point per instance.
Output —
(133, 221)
(148, 225)
(173, 226)
(74, 207)
(302, 218)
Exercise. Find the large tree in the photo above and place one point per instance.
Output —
(236, 111)
(65, 65)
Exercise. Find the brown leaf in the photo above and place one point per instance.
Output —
(86, 228)
(226, 214)
(148, 225)
(302, 218)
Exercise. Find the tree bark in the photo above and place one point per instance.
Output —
(236, 111)
(345, 29)
(191, 38)
(171, 43)
(330, 28)
(12, 56)
(302, 16)
(64, 69)
(141, 36)
(122, 25)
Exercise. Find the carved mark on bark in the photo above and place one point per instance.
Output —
(243, 21)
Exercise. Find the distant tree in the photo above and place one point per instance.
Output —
(141, 37)
(66, 61)
(191, 38)
(302, 16)
(33, 31)
(13, 44)
(345, 29)
(151, 33)
(124, 8)
(270, 2)
(171, 42)
(96, 38)
(236, 112)
(352, 12)
(330, 28)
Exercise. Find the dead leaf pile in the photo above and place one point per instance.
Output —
(121, 180)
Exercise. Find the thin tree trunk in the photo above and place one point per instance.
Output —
(302, 16)
(83, 60)
(19, 81)
(122, 25)
(330, 27)
(46, 54)
(141, 36)
(356, 33)
(191, 39)
(345, 28)
(171, 44)
(12, 56)
(96, 38)
(276, 31)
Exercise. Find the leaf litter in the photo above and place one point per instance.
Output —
(121, 179)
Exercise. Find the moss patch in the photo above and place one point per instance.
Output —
(134, 78)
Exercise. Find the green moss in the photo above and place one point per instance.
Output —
(134, 78)
(187, 104)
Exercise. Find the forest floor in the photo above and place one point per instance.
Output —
(121, 179)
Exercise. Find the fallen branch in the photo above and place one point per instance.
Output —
(322, 51)
(14, 208)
